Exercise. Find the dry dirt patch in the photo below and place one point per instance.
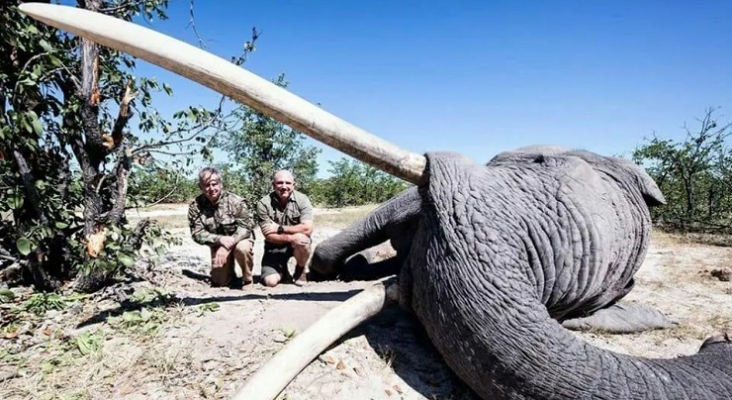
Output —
(173, 337)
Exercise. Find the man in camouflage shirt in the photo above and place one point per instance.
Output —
(286, 219)
(221, 220)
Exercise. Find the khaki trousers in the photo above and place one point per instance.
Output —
(243, 254)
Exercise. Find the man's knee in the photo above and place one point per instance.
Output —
(244, 247)
(244, 253)
(271, 280)
(301, 242)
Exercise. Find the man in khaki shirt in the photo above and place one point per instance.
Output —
(286, 219)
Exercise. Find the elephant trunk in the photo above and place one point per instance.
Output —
(390, 220)
(532, 357)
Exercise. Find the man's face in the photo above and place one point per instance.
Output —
(283, 185)
(211, 187)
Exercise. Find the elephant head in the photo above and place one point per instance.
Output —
(490, 257)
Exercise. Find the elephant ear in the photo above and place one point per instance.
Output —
(627, 172)
(526, 154)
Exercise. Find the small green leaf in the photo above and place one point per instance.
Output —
(46, 46)
(15, 200)
(47, 367)
(61, 225)
(24, 246)
(126, 260)
(83, 344)
(7, 295)
(24, 123)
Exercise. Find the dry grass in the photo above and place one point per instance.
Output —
(704, 239)
(340, 218)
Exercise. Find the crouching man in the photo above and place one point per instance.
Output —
(221, 220)
(286, 219)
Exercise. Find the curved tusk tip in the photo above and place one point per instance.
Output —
(48, 13)
(34, 9)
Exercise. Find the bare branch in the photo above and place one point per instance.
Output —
(192, 24)
(122, 6)
(124, 116)
(199, 129)
(9, 258)
(38, 56)
(171, 153)
(5, 255)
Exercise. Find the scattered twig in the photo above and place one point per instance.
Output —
(8, 375)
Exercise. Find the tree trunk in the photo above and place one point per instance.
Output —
(100, 209)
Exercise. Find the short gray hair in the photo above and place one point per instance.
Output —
(207, 173)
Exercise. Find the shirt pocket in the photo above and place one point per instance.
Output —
(209, 224)
(294, 214)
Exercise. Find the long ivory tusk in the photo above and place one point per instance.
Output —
(274, 376)
(233, 81)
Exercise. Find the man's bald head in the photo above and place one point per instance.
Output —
(283, 174)
(283, 184)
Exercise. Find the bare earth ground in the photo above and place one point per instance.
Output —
(174, 337)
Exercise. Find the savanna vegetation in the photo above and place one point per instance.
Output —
(82, 141)
(695, 175)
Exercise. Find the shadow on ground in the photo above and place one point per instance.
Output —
(399, 339)
(188, 301)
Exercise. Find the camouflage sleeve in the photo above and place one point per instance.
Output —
(306, 209)
(198, 231)
(262, 214)
(244, 220)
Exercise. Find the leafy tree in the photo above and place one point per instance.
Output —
(261, 146)
(68, 147)
(154, 185)
(693, 174)
(355, 183)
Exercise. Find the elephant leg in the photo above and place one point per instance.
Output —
(621, 317)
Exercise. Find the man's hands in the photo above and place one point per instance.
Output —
(299, 240)
(221, 255)
(270, 228)
(227, 242)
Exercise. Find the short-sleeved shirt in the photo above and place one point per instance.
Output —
(298, 209)
(228, 217)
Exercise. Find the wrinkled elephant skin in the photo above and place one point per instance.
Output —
(498, 254)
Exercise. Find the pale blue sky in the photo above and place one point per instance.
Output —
(478, 77)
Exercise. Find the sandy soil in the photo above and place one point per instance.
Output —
(204, 342)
